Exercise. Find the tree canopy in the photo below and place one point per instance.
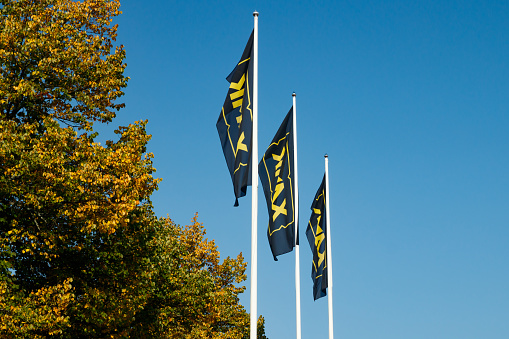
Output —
(82, 254)
(58, 59)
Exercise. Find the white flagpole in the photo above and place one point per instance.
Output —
(254, 186)
(297, 260)
(329, 246)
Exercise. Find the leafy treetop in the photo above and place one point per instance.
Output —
(57, 59)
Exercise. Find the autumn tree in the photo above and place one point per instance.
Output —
(62, 195)
(63, 199)
(82, 254)
(58, 59)
(196, 295)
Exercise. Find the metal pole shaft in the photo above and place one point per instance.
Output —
(254, 186)
(297, 254)
(329, 246)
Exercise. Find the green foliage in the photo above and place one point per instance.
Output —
(56, 59)
(82, 254)
(195, 295)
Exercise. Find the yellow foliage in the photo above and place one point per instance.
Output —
(91, 185)
(43, 310)
(73, 211)
(58, 58)
(202, 296)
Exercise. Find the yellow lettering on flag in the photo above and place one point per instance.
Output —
(239, 92)
(280, 186)
(279, 159)
(240, 145)
(319, 238)
(279, 210)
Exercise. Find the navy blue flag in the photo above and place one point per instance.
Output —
(277, 175)
(235, 123)
(316, 235)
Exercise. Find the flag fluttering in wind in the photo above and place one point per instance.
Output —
(235, 123)
(277, 174)
(316, 234)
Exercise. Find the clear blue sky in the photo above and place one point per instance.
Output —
(411, 102)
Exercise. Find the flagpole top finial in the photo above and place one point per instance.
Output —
(293, 94)
(255, 13)
(326, 155)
